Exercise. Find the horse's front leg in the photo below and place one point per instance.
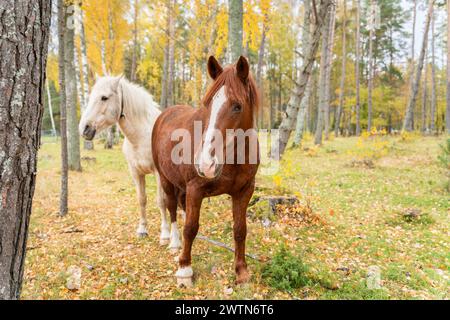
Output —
(139, 180)
(240, 203)
(193, 204)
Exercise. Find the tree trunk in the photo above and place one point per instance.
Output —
(88, 145)
(343, 72)
(134, 56)
(425, 97)
(306, 42)
(323, 97)
(236, 14)
(165, 74)
(447, 113)
(262, 49)
(329, 67)
(63, 204)
(109, 139)
(357, 71)
(371, 67)
(171, 71)
(50, 108)
(289, 122)
(71, 95)
(24, 27)
(409, 117)
(433, 77)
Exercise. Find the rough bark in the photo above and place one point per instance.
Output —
(236, 25)
(63, 203)
(343, 71)
(289, 122)
(24, 29)
(71, 95)
(357, 68)
(409, 117)
(447, 113)
(323, 73)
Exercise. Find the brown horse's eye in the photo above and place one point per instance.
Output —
(104, 98)
(237, 108)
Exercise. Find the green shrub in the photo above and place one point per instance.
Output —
(286, 271)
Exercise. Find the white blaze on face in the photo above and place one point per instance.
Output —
(206, 160)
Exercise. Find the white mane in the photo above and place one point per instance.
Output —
(138, 104)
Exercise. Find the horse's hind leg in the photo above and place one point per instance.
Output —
(175, 240)
(139, 180)
(164, 237)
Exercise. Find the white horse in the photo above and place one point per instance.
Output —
(116, 100)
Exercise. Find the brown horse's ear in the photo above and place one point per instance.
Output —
(242, 69)
(214, 68)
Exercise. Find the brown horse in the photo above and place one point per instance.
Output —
(230, 106)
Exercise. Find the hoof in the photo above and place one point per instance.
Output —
(142, 235)
(185, 282)
(243, 277)
(164, 242)
(184, 277)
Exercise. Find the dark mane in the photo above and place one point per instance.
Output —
(236, 89)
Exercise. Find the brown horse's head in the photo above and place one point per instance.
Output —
(231, 103)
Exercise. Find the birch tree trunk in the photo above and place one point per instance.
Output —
(88, 145)
(447, 113)
(262, 49)
(371, 67)
(171, 71)
(343, 71)
(425, 96)
(357, 71)
(50, 108)
(323, 80)
(134, 56)
(329, 66)
(433, 77)
(63, 203)
(413, 40)
(306, 42)
(71, 93)
(236, 25)
(409, 117)
(165, 75)
(24, 29)
(289, 122)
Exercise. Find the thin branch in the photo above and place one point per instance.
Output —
(224, 246)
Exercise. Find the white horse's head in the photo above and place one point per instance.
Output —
(104, 107)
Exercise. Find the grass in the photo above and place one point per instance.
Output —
(362, 226)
